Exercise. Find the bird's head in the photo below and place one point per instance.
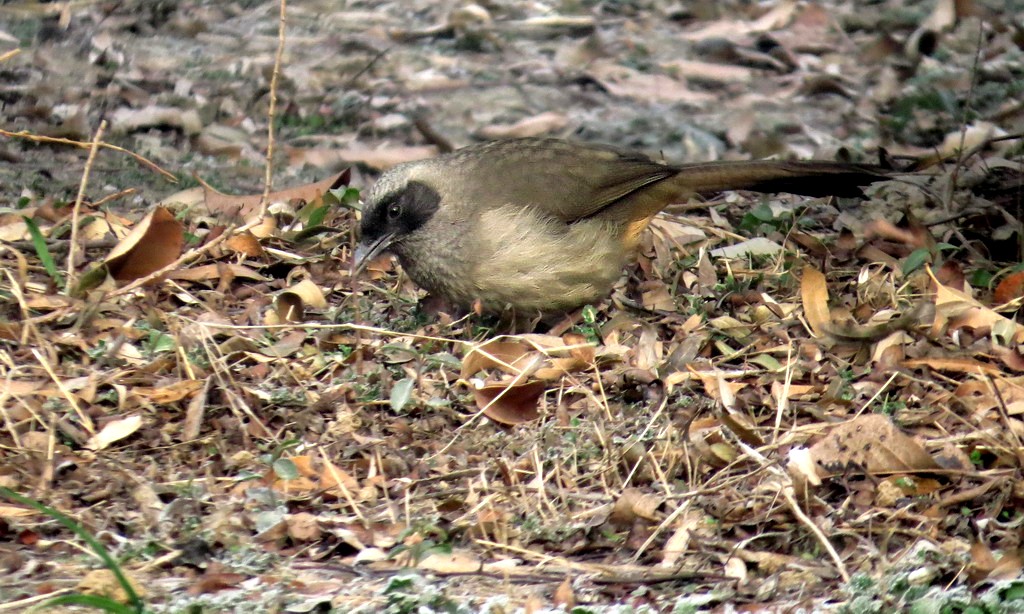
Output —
(399, 204)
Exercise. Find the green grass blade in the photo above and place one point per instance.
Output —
(78, 530)
(92, 601)
(42, 250)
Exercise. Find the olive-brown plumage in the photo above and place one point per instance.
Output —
(545, 225)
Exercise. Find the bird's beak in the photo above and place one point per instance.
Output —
(366, 252)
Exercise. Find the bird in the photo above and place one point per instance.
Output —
(544, 225)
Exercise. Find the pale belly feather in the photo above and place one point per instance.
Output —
(549, 267)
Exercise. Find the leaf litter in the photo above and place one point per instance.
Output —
(761, 424)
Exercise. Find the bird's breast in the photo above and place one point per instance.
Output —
(512, 257)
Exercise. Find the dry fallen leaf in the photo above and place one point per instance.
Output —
(802, 468)
(129, 120)
(288, 309)
(10, 512)
(216, 270)
(954, 309)
(1010, 288)
(102, 582)
(215, 579)
(113, 431)
(564, 596)
(634, 503)
(537, 125)
(192, 425)
(814, 294)
(693, 521)
(246, 207)
(509, 403)
(513, 357)
(774, 19)
(454, 563)
(735, 568)
(872, 443)
(246, 243)
(309, 293)
(627, 82)
(332, 476)
(154, 243)
(303, 527)
(379, 159)
(163, 395)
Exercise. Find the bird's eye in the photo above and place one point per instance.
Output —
(394, 211)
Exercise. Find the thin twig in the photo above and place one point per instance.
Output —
(787, 386)
(24, 134)
(77, 209)
(968, 100)
(787, 493)
(339, 483)
(1004, 413)
(82, 416)
(14, 606)
(268, 178)
(5, 393)
(114, 196)
(58, 246)
(787, 489)
(352, 80)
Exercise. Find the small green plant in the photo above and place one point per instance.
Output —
(367, 392)
(315, 212)
(407, 320)
(284, 468)
(890, 406)
(905, 482)
(434, 540)
(977, 459)
(409, 593)
(589, 327)
(288, 397)
(98, 351)
(192, 239)
(158, 343)
(135, 605)
(922, 255)
(347, 196)
(401, 393)
(198, 356)
(313, 123)
(939, 104)
(762, 219)
(983, 278)
(732, 284)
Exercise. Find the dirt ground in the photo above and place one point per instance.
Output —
(344, 463)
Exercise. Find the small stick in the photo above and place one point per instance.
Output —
(24, 134)
(77, 209)
(268, 180)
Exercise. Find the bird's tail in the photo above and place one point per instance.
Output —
(808, 178)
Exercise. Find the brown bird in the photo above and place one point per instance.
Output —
(544, 225)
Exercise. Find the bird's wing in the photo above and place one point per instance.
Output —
(568, 181)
